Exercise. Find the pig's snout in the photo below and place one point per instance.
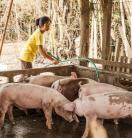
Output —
(75, 118)
(68, 116)
(72, 118)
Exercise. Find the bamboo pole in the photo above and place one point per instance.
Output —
(95, 34)
(91, 54)
(84, 26)
(4, 33)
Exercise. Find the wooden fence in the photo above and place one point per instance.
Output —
(123, 68)
(116, 73)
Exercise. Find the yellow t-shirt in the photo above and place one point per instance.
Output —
(29, 51)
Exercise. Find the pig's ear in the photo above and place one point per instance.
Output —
(73, 75)
(80, 83)
(69, 107)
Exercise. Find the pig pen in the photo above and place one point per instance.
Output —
(33, 125)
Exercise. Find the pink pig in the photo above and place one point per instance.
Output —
(47, 78)
(94, 87)
(28, 96)
(104, 106)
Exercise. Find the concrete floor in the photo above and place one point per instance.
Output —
(33, 126)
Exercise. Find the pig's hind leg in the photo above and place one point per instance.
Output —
(10, 114)
(47, 109)
(2, 117)
(85, 134)
(116, 122)
(3, 110)
(89, 119)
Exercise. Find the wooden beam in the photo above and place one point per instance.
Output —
(84, 34)
(106, 31)
(4, 33)
(59, 70)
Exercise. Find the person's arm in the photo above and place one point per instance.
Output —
(45, 55)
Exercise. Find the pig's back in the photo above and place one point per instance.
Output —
(27, 96)
(102, 88)
(31, 91)
(44, 80)
(110, 105)
(26, 89)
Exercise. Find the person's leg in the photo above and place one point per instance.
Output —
(24, 65)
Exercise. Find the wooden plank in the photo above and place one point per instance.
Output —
(131, 64)
(59, 70)
(85, 72)
(111, 63)
(105, 76)
(122, 69)
(112, 67)
(128, 61)
(121, 61)
(118, 49)
(125, 61)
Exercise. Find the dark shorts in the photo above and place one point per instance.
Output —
(25, 65)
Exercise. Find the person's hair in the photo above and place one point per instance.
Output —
(42, 20)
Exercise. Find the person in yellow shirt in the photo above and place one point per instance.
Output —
(35, 44)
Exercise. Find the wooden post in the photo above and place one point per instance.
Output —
(130, 63)
(4, 33)
(84, 36)
(128, 12)
(106, 31)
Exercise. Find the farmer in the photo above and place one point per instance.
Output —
(35, 43)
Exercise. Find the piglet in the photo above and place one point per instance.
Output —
(28, 96)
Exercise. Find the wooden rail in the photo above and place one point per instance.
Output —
(112, 63)
(59, 70)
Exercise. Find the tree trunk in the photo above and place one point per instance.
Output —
(106, 31)
(84, 36)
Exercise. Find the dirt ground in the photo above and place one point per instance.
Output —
(9, 59)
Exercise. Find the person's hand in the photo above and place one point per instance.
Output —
(55, 62)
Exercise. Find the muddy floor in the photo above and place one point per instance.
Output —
(33, 126)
